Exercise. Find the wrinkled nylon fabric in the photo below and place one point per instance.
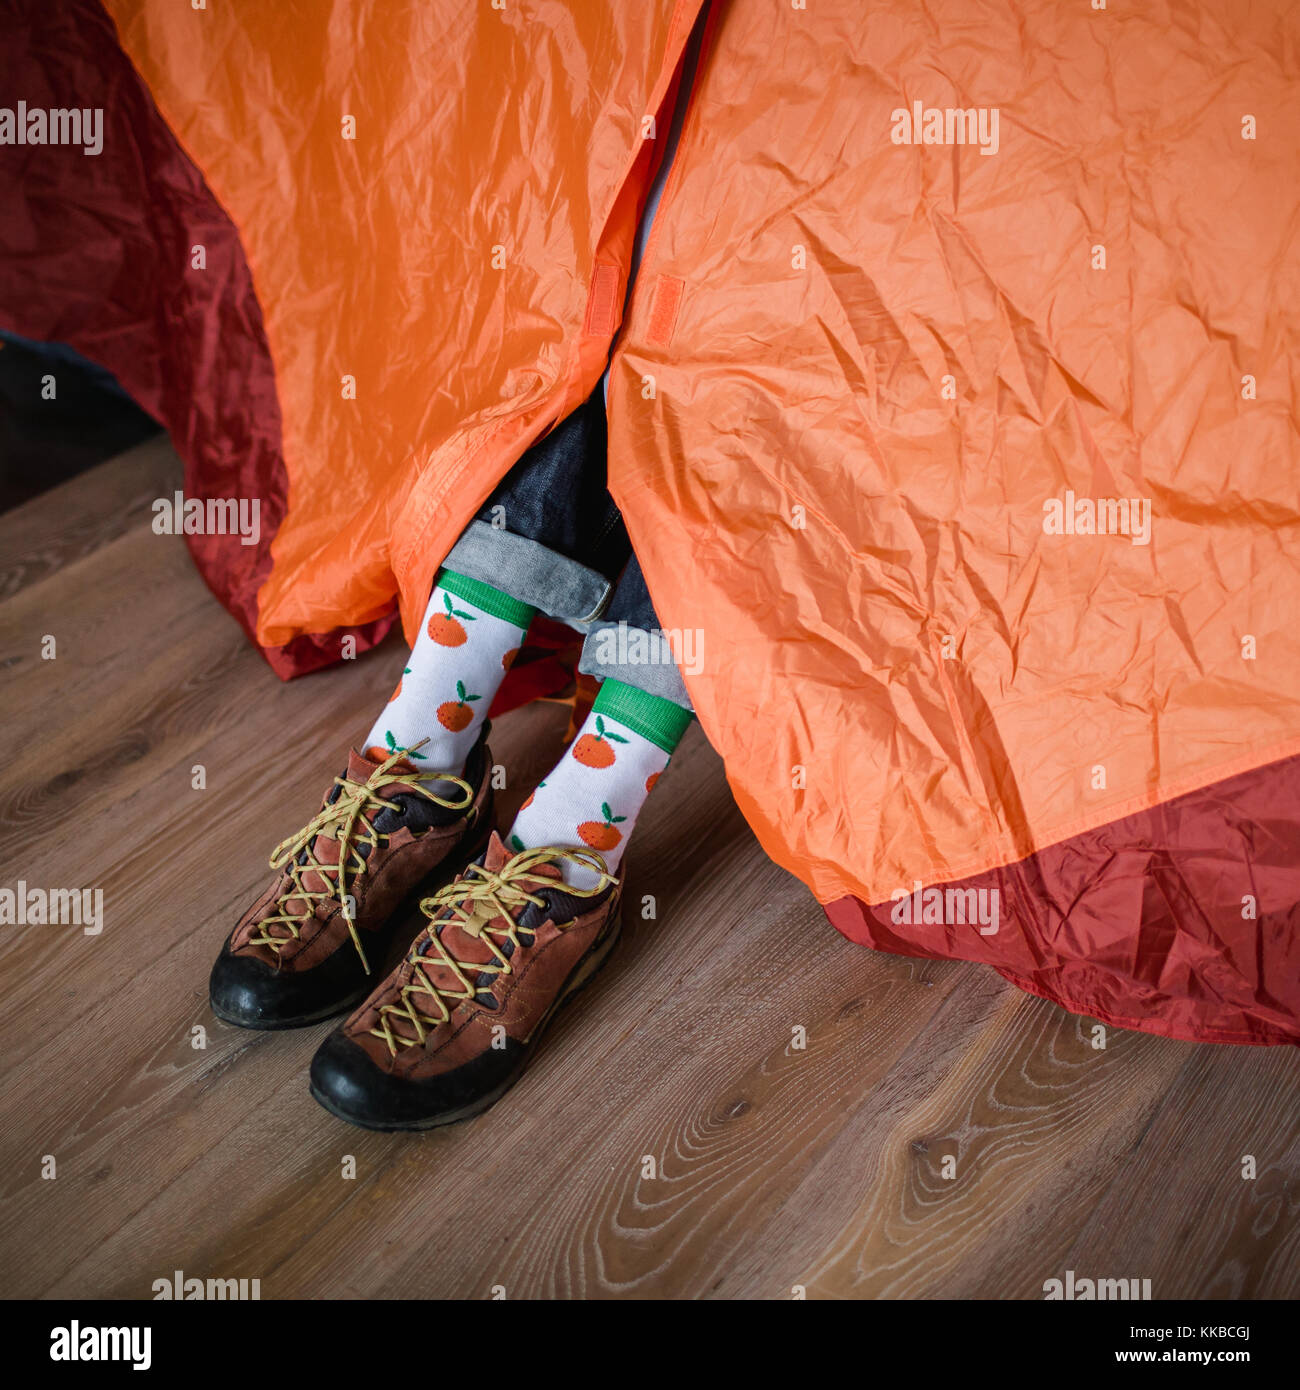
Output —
(908, 679)
(426, 196)
(852, 374)
(1141, 922)
(127, 257)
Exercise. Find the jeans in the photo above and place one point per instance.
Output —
(551, 536)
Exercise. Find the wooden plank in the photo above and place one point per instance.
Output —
(1188, 1216)
(975, 1162)
(76, 518)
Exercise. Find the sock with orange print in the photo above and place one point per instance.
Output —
(592, 797)
(467, 641)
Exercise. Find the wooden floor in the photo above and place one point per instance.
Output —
(774, 1167)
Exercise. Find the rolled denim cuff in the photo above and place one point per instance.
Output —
(529, 572)
(636, 656)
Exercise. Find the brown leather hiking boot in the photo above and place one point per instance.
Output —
(314, 943)
(452, 1028)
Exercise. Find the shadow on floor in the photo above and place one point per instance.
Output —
(45, 442)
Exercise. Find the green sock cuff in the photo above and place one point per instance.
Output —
(484, 596)
(661, 721)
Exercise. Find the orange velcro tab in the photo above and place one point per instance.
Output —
(602, 301)
(663, 311)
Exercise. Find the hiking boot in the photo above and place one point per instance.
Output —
(315, 942)
(452, 1028)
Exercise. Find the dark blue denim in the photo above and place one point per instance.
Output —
(630, 602)
(557, 495)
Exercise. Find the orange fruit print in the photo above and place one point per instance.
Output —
(456, 714)
(446, 629)
(398, 691)
(508, 660)
(597, 750)
(602, 835)
(651, 780)
(377, 753)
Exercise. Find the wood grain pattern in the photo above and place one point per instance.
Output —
(774, 1165)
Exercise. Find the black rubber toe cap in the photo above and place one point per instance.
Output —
(348, 1084)
(241, 990)
(251, 994)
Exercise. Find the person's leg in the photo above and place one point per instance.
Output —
(595, 792)
(549, 537)
(527, 925)
(522, 929)
(468, 638)
(418, 800)
(519, 930)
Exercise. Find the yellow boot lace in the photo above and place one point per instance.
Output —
(344, 820)
(483, 903)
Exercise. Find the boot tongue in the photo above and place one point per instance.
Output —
(325, 846)
(498, 853)
(361, 766)
(466, 943)
(545, 875)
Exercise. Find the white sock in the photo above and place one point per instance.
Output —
(468, 637)
(593, 795)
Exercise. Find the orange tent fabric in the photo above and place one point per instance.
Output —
(955, 410)
(437, 204)
(883, 370)
(960, 686)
